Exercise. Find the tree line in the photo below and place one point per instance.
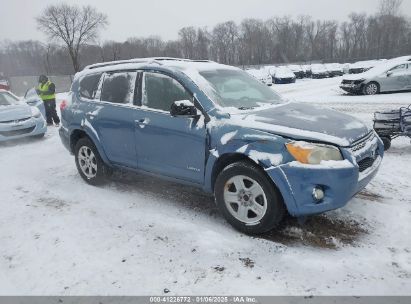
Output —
(278, 40)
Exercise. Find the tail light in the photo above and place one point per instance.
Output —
(63, 105)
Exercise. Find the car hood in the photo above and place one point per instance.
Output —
(14, 112)
(306, 122)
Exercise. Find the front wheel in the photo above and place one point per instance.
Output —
(247, 199)
(387, 142)
(371, 88)
(89, 163)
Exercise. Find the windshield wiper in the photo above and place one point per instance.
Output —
(245, 108)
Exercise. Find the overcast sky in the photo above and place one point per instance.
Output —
(137, 18)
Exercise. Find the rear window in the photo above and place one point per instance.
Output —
(89, 86)
(6, 99)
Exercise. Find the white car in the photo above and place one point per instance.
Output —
(262, 75)
(283, 75)
(319, 71)
(334, 69)
(388, 76)
(297, 70)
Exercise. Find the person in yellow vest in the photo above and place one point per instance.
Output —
(47, 92)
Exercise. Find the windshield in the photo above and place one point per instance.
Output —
(6, 99)
(31, 93)
(236, 88)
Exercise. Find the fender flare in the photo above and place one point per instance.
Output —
(91, 133)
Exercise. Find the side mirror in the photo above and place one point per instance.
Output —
(183, 108)
(389, 74)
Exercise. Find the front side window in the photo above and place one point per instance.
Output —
(160, 91)
(235, 88)
(399, 68)
(6, 99)
(119, 87)
(89, 86)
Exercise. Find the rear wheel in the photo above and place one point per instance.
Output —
(387, 142)
(247, 199)
(371, 88)
(89, 163)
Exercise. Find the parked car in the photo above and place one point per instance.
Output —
(283, 75)
(4, 84)
(389, 76)
(362, 66)
(18, 119)
(216, 127)
(319, 71)
(262, 75)
(334, 69)
(307, 71)
(297, 70)
(33, 99)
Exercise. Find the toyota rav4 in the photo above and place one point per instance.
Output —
(216, 127)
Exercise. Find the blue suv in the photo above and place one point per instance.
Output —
(215, 127)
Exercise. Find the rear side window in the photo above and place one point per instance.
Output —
(119, 87)
(160, 91)
(89, 86)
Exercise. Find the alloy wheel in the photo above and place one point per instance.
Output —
(87, 161)
(245, 199)
(371, 89)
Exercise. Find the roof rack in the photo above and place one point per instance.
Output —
(157, 60)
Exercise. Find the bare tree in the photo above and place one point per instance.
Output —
(188, 39)
(72, 25)
(390, 7)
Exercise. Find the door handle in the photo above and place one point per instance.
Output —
(142, 122)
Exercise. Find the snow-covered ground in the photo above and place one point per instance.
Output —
(140, 235)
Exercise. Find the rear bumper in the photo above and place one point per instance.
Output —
(65, 138)
(31, 127)
(340, 183)
(284, 80)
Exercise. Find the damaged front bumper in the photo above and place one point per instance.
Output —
(352, 88)
(338, 182)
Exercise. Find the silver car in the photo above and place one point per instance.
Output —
(18, 119)
(389, 76)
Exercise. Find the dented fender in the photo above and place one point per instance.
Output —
(265, 149)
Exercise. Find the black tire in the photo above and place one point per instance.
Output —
(371, 88)
(387, 142)
(274, 203)
(102, 170)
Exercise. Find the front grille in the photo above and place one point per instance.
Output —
(17, 132)
(347, 81)
(365, 163)
(16, 120)
(362, 142)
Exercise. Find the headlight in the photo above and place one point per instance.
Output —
(309, 153)
(358, 81)
(35, 112)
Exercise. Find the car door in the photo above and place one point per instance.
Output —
(167, 145)
(113, 117)
(396, 78)
(408, 77)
